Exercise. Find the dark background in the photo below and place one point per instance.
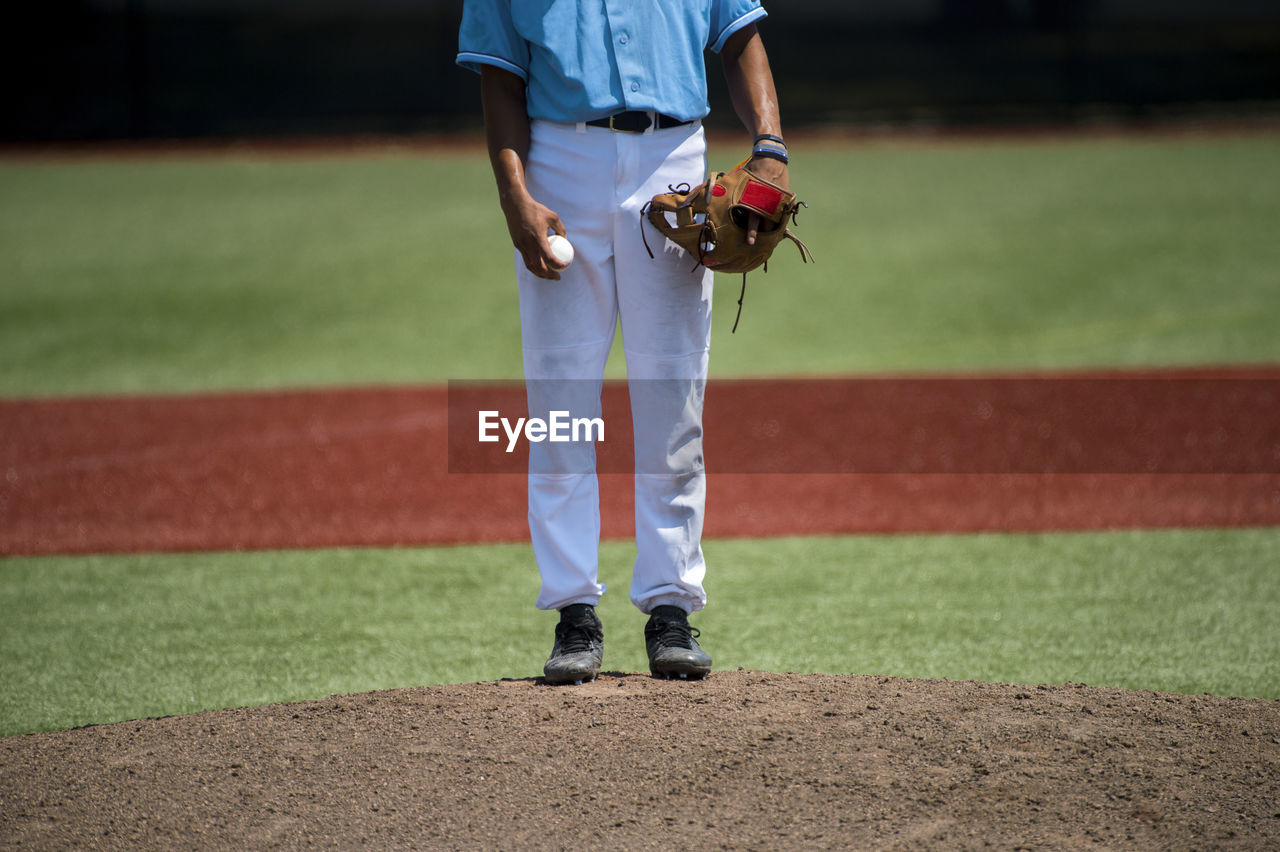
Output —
(145, 69)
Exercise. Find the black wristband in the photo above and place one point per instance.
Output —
(771, 138)
(771, 154)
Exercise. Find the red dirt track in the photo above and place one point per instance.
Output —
(371, 467)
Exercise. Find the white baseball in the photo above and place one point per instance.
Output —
(561, 249)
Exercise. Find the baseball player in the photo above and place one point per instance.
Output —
(591, 108)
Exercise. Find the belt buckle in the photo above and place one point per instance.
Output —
(648, 117)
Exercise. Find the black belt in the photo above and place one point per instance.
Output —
(637, 121)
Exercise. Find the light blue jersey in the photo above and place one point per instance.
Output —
(587, 59)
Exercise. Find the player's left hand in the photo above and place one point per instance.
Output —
(776, 173)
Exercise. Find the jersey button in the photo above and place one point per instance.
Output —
(635, 87)
(624, 38)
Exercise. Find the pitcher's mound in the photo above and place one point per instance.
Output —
(743, 760)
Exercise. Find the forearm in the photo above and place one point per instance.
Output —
(506, 131)
(754, 97)
(750, 82)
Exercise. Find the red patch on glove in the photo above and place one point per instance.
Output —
(761, 196)
(717, 190)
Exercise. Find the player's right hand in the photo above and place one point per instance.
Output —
(528, 223)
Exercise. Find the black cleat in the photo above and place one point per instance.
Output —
(673, 646)
(579, 647)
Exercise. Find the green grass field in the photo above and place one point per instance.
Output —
(117, 637)
(247, 272)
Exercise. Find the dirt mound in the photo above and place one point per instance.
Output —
(744, 760)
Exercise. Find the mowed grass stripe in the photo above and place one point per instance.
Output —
(100, 639)
(253, 272)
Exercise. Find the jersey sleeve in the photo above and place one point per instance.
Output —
(729, 16)
(488, 37)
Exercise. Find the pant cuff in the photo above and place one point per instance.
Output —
(686, 604)
(594, 600)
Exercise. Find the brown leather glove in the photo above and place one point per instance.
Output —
(710, 221)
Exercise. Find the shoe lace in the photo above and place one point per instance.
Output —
(675, 632)
(574, 637)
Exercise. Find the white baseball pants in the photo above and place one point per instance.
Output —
(597, 180)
